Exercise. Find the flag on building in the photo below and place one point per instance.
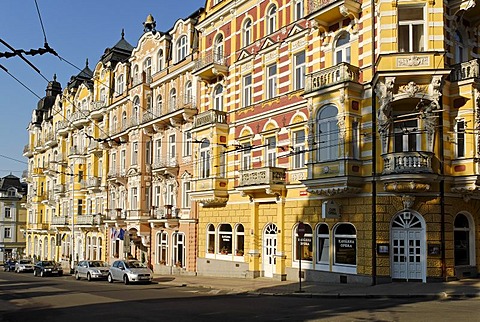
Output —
(121, 234)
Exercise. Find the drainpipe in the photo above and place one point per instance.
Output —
(442, 191)
(374, 149)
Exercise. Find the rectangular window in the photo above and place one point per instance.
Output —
(205, 162)
(133, 200)
(298, 9)
(186, 194)
(299, 149)
(247, 90)
(148, 197)
(8, 214)
(187, 143)
(170, 195)
(271, 151)
(460, 138)
(223, 163)
(123, 162)
(80, 207)
(355, 140)
(172, 147)
(8, 232)
(411, 27)
(158, 150)
(148, 152)
(246, 156)
(406, 136)
(271, 81)
(299, 73)
(134, 153)
(158, 194)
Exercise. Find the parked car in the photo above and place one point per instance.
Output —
(44, 268)
(129, 271)
(9, 265)
(24, 265)
(91, 270)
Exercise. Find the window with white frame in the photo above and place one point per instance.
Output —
(218, 49)
(182, 48)
(204, 163)
(134, 153)
(172, 148)
(303, 246)
(247, 32)
(460, 138)
(147, 68)
(134, 198)
(148, 197)
(120, 84)
(246, 156)
(157, 197)
(186, 189)
(406, 136)
(298, 149)
(148, 152)
(123, 162)
(271, 19)
(247, 90)
(239, 240)
(299, 70)
(124, 120)
(103, 96)
(170, 195)
(136, 77)
(210, 239)
(136, 108)
(160, 60)
(159, 106)
(225, 242)
(298, 9)
(342, 48)
(271, 151)
(158, 151)
(411, 29)
(188, 98)
(327, 133)
(162, 248)
(179, 249)
(187, 143)
(8, 214)
(271, 81)
(172, 105)
(322, 255)
(8, 232)
(218, 98)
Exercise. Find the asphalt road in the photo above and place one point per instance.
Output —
(50, 299)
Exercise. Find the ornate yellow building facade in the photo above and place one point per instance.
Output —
(204, 148)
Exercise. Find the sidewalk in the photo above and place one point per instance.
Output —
(265, 286)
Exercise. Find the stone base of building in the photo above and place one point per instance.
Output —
(253, 274)
(332, 277)
(466, 272)
(215, 267)
(171, 270)
(280, 277)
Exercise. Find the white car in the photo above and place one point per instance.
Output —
(91, 270)
(129, 271)
(24, 265)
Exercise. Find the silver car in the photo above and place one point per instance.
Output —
(91, 270)
(24, 265)
(129, 271)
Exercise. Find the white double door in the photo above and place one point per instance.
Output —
(408, 254)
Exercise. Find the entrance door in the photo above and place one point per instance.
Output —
(269, 250)
(408, 247)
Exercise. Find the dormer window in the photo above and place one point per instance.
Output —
(182, 48)
(147, 68)
(120, 84)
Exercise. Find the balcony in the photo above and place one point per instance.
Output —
(117, 176)
(38, 226)
(167, 165)
(262, 182)
(95, 148)
(116, 214)
(210, 66)
(89, 220)
(340, 73)
(166, 216)
(51, 140)
(327, 12)
(27, 151)
(464, 71)
(60, 221)
(210, 118)
(63, 128)
(59, 189)
(98, 110)
(80, 118)
(76, 151)
(210, 192)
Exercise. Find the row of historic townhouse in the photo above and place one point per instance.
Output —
(201, 149)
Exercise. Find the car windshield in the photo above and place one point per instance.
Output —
(25, 261)
(134, 264)
(48, 263)
(97, 264)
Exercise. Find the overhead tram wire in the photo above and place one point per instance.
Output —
(20, 82)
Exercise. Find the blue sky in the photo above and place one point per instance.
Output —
(77, 30)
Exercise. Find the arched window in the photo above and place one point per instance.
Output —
(159, 106)
(298, 9)
(188, 93)
(179, 249)
(147, 68)
(464, 243)
(124, 120)
(182, 48)
(239, 240)
(162, 248)
(303, 246)
(172, 105)
(327, 134)
(210, 239)
(136, 78)
(342, 48)
(218, 98)
(114, 124)
(103, 96)
(247, 32)
(218, 49)
(120, 85)
(136, 108)
(345, 245)
(225, 239)
(160, 60)
(271, 19)
(204, 164)
(323, 245)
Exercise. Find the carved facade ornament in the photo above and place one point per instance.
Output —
(411, 186)
(331, 191)
(408, 201)
(413, 61)
(384, 93)
(476, 94)
(410, 89)
(213, 202)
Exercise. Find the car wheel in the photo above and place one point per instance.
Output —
(77, 277)
(89, 278)
(35, 273)
(110, 278)
(125, 280)
(42, 274)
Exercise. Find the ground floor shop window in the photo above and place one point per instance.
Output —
(239, 240)
(225, 239)
(210, 239)
(345, 245)
(303, 246)
(323, 245)
(463, 241)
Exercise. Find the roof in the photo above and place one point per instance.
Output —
(10, 181)
(120, 52)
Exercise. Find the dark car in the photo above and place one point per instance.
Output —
(9, 265)
(44, 268)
